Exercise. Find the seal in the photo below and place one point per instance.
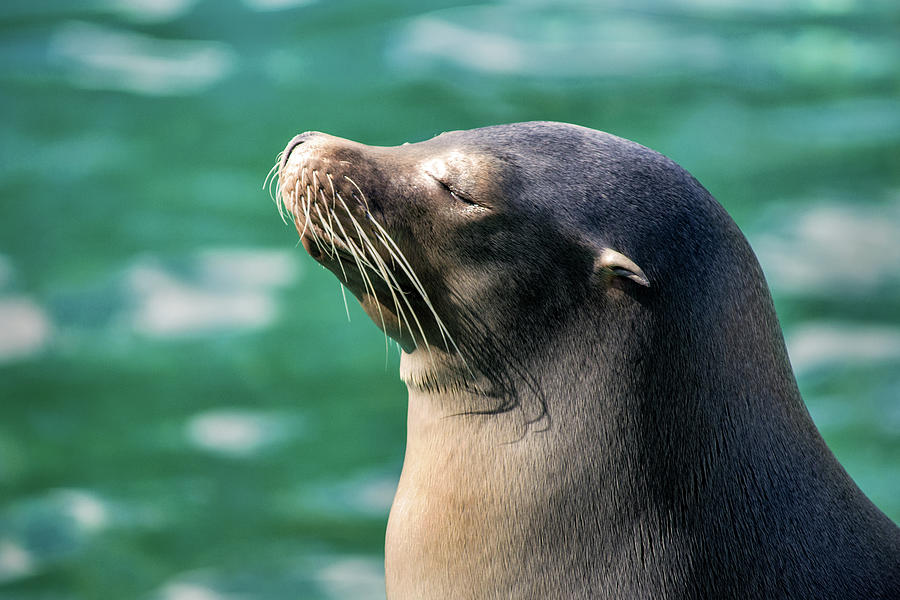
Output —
(600, 399)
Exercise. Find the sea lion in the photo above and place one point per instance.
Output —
(600, 400)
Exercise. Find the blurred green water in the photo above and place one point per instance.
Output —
(184, 409)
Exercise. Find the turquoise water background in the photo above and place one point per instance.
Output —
(185, 412)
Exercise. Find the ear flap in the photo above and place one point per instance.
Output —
(618, 264)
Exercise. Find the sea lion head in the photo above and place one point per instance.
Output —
(499, 252)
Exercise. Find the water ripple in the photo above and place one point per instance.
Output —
(25, 328)
(223, 289)
(96, 57)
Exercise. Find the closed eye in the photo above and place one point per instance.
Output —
(457, 194)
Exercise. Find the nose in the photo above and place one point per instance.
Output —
(295, 141)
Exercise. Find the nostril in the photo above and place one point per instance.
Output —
(296, 141)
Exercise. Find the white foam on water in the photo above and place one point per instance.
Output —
(226, 289)
(46, 529)
(472, 49)
(189, 591)
(846, 249)
(169, 307)
(239, 433)
(85, 509)
(248, 267)
(25, 328)
(819, 345)
(97, 57)
(526, 43)
(352, 578)
(375, 496)
(15, 561)
(625, 39)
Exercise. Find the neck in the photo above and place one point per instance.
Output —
(605, 490)
(485, 495)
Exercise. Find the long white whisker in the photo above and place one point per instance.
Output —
(328, 231)
(310, 205)
(392, 284)
(279, 198)
(300, 202)
(333, 192)
(407, 268)
(371, 248)
(360, 256)
(385, 272)
(368, 282)
(344, 296)
(271, 172)
(270, 179)
(330, 210)
(361, 195)
(337, 255)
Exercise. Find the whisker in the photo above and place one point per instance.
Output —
(412, 311)
(324, 225)
(299, 200)
(337, 255)
(309, 208)
(368, 282)
(273, 175)
(371, 248)
(344, 296)
(407, 268)
(392, 284)
(361, 195)
(280, 199)
(359, 257)
(271, 172)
